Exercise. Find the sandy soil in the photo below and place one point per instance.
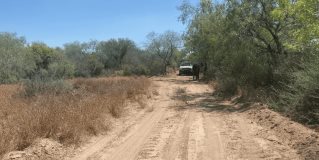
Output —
(185, 122)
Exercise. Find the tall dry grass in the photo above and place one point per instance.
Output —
(66, 117)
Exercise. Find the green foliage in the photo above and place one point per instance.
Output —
(264, 45)
(165, 46)
(219, 36)
(96, 58)
(50, 63)
(37, 86)
(39, 62)
(112, 52)
(85, 59)
(42, 55)
(14, 61)
(303, 14)
(300, 98)
(135, 70)
(94, 66)
(61, 69)
(75, 53)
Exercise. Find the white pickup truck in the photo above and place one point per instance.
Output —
(186, 68)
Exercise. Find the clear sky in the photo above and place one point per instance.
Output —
(56, 22)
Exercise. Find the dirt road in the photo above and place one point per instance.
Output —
(188, 123)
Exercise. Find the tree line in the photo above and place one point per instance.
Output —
(20, 61)
(266, 48)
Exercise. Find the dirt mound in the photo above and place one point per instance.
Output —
(301, 138)
(41, 149)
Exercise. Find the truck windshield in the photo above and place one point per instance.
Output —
(185, 64)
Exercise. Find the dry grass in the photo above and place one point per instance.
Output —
(181, 94)
(180, 91)
(155, 93)
(66, 117)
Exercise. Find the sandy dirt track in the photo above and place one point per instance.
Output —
(188, 123)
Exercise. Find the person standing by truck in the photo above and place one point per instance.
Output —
(195, 70)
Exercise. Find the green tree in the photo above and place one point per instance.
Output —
(50, 63)
(165, 46)
(304, 29)
(14, 62)
(78, 53)
(112, 52)
(262, 45)
(94, 66)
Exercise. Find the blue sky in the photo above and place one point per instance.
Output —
(56, 22)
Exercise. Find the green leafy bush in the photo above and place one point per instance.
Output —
(15, 62)
(301, 97)
(135, 70)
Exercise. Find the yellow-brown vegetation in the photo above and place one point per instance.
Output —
(66, 117)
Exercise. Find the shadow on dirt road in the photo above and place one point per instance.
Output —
(189, 123)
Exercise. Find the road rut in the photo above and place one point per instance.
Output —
(188, 123)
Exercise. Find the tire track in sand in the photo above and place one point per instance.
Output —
(196, 138)
(153, 148)
(131, 143)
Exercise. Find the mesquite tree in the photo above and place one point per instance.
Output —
(165, 46)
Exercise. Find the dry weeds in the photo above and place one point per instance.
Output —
(180, 91)
(181, 94)
(67, 117)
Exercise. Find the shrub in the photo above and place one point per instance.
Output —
(135, 70)
(301, 97)
(37, 86)
(15, 61)
(61, 70)
(226, 87)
